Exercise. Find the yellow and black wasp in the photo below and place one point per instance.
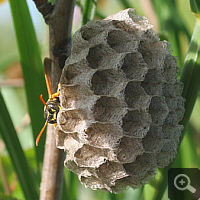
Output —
(52, 106)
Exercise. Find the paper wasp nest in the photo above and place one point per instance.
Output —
(121, 103)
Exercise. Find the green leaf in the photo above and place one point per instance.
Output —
(172, 25)
(88, 9)
(16, 153)
(190, 76)
(125, 4)
(97, 13)
(6, 197)
(195, 7)
(70, 183)
(32, 68)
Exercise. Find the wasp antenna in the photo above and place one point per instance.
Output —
(40, 134)
(42, 100)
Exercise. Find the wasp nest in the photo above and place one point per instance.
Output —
(121, 103)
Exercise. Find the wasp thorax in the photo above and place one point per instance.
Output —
(51, 113)
(121, 103)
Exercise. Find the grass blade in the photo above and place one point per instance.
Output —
(195, 7)
(32, 68)
(190, 76)
(6, 197)
(16, 153)
(88, 9)
(172, 25)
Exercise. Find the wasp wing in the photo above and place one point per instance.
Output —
(47, 68)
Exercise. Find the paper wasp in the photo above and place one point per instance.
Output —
(52, 106)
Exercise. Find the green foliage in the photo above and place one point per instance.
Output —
(88, 8)
(190, 75)
(16, 153)
(32, 68)
(195, 7)
(6, 197)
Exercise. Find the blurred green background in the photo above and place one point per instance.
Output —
(172, 20)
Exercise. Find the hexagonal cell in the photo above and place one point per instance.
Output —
(111, 171)
(152, 88)
(100, 57)
(69, 142)
(89, 156)
(136, 123)
(93, 182)
(108, 82)
(171, 103)
(138, 180)
(141, 166)
(104, 135)
(170, 146)
(136, 97)
(121, 41)
(154, 60)
(171, 69)
(90, 31)
(152, 38)
(153, 145)
(72, 166)
(171, 118)
(179, 113)
(77, 97)
(78, 44)
(158, 110)
(73, 72)
(155, 132)
(164, 158)
(172, 90)
(180, 102)
(158, 103)
(154, 76)
(73, 120)
(134, 66)
(153, 53)
(151, 43)
(158, 117)
(120, 185)
(129, 149)
(172, 132)
(109, 109)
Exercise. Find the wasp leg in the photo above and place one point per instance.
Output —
(57, 93)
(54, 125)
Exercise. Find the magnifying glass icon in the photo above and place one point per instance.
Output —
(182, 184)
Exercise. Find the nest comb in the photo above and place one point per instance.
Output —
(121, 103)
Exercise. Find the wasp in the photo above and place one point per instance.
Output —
(52, 106)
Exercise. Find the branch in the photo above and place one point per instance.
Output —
(45, 8)
(60, 36)
(59, 18)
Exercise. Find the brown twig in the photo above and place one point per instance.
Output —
(45, 8)
(59, 18)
